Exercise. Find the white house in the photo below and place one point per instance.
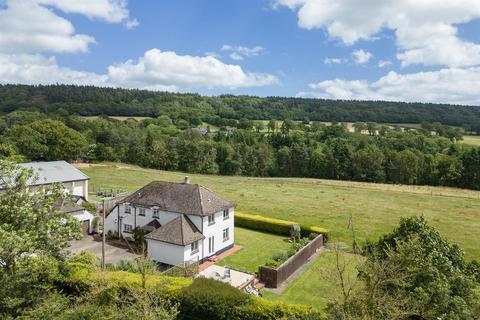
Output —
(74, 181)
(185, 222)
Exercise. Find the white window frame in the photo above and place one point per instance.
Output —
(211, 244)
(227, 233)
(125, 228)
(211, 219)
(128, 209)
(140, 210)
(156, 213)
(226, 214)
(194, 248)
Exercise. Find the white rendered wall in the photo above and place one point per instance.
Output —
(165, 252)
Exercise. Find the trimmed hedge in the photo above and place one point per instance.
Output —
(83, 277)
(197, 299)
(208, 299)
(272, 225)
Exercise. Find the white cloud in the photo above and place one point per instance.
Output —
(425, 31)
(113, 11)
(235, 56)
(384, 63)
(31, 26)
(37, 69)
(240, 53)
(156, 70)
(183, 71)
(449, 85)
(333, 60)
(361, 56)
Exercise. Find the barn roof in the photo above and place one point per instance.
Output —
(54, 172)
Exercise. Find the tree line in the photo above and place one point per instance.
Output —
(254, 148)
(91, 101)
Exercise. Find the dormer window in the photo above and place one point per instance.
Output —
(128, 209)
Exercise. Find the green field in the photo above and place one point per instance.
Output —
(376, 208)
(471, 140)
(257, 248)
(318, 283)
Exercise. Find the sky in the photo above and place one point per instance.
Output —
(400, 50)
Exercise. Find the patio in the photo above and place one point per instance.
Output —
(236, 278)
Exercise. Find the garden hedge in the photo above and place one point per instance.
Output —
(272, 225)
(197, 299)
(208, 299)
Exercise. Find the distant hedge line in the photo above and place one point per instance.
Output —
(272, 225)
(200, 299)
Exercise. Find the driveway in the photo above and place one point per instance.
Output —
(113, 254)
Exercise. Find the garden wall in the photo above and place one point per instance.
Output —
(273, 278)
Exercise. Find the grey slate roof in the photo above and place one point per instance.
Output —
(151, 226)
(182, 198)
(180, 231)
(68, 206)
(54, 172)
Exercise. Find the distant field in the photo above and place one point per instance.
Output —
(120, 118)
(472, 140)
(376, 208)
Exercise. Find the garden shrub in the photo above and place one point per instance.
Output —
(91, 207)
(86, 257)
(262, 309)
(210, 299)
(272, 225)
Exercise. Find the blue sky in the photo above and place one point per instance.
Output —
(424, 50)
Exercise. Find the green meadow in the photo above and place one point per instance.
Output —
(375, 208)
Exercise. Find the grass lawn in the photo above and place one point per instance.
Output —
(376, 208)
(472, 140)
(258, 247)
(318, 284)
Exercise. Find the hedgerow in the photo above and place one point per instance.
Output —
(272, 225)
(197, 299)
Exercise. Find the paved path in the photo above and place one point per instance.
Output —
(113, 254)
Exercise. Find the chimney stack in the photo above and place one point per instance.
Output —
(186, 180)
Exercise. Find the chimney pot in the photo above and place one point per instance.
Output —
(186, 180)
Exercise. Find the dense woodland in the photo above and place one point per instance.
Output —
(47, 130)
(90, 101)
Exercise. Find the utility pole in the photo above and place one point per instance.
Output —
(103, 234)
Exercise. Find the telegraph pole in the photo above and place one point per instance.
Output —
(103, 234)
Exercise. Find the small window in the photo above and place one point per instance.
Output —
(226, 214)
(156, 213)
(127, 228)
(211, 219)
(141, 212)
(128, 209)
(194, 247)
(226, 235)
